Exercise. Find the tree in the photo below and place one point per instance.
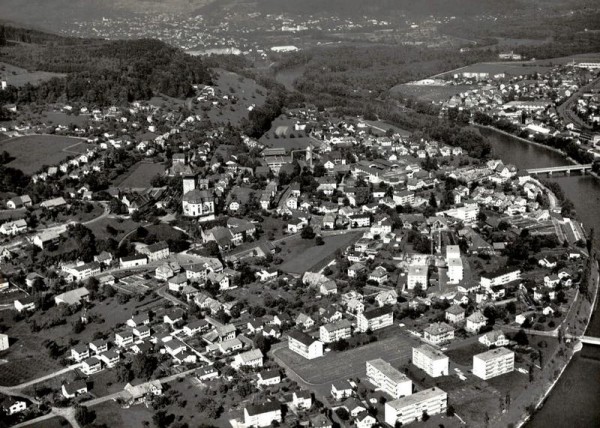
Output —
(432, 201)
(262, 343)
(209, 407)
(144, 365)
(124, 373)
(78, 326)
(307, 233)
(342, 413)
(319, 241)
(83, 415)
(425, 415)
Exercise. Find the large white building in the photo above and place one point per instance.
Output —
(388, 379)
(4, 343)
(417, 275)
(375, 319)
(335, 331)
(262, 415)
(494, 362)
(430, 360)
(410, 408)
(454, 263)
(199, 204)
(302, 344)
(500, 277)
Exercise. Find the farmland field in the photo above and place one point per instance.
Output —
(17, 76)
(31, 152)
(429, 92)
(141, 176)
(301, 255)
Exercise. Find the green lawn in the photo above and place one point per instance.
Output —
(301, 255)
(34, 151)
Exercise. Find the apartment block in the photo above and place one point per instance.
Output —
(494, 362)
(430, 360)
(410, 409)
(388, 379)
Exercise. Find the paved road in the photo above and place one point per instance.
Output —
(162, 292)
(40, 379)
(566, 111)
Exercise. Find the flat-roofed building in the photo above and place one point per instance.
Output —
(410, 408)
(500, 277)
(494, 362)
(417, 275)
(430, 360)
(335, 331)
(388, 379)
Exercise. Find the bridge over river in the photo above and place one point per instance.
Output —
(567, 169)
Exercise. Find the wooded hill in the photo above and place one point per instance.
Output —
(98, 71)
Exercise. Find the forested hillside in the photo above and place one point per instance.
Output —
(100, 72)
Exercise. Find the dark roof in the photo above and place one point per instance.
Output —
(75, 386)
(499, 272)
(257, 409)
(158, 246)
(301, 337)
(377, 312)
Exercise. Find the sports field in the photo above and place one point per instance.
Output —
(31, 152)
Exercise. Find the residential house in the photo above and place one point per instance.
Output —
(438, 333)
(262, 415)
(252, 358)
(304, 345)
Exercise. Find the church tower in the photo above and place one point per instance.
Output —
(189, 183)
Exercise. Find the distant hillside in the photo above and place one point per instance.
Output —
(98, 71)
(51, 14)
(382, 8)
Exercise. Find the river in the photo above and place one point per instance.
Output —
(575, 400)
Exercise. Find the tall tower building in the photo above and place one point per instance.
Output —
(309, 156)
(189, 183)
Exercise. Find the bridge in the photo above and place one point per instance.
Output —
(566, 169)
(589, 340)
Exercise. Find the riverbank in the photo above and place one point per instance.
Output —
(572, 351)
(525, 140)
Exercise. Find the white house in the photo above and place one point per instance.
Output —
(430, 360)
(262, 415)
(302, 344)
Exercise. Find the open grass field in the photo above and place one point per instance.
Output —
(283, 135)
(396, 350)
(429, 92)
(28, 359)
(464, 355)
(122, 226)
(247, 91)
(17, 76)
(380, 128)
(31, 152)
(141, 175)
(301, 255)
(56, 422)
(31, 363)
